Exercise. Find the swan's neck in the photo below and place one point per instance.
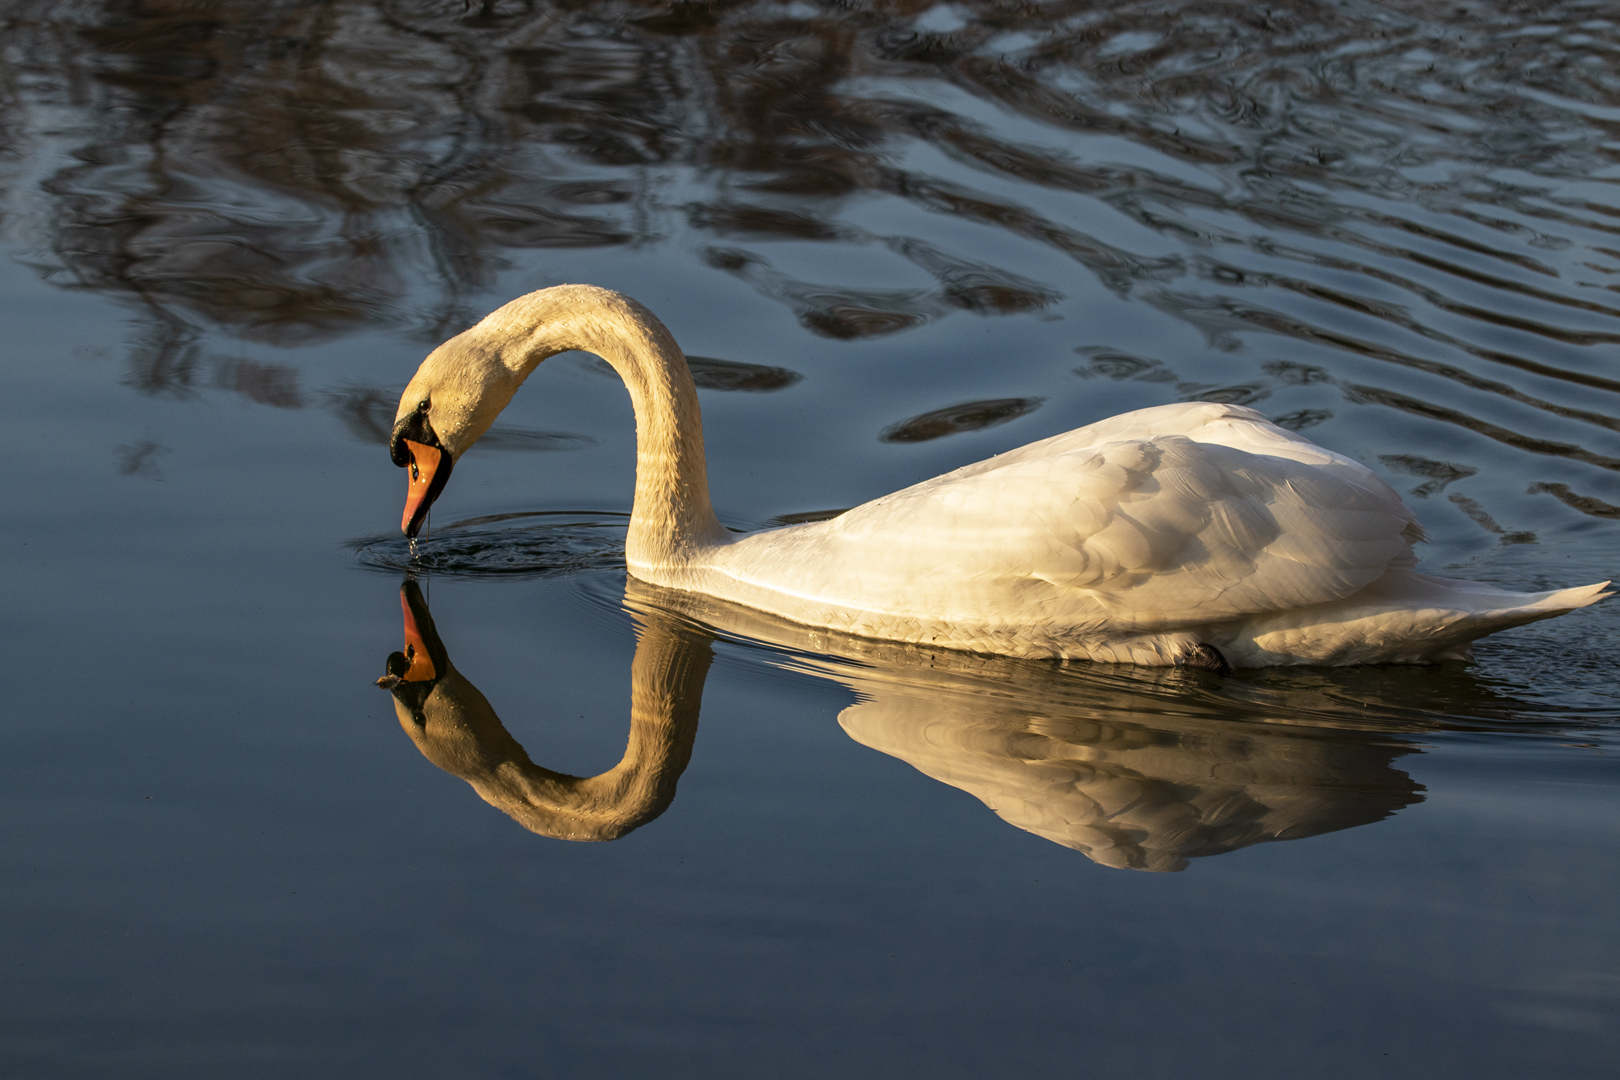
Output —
(672, 519)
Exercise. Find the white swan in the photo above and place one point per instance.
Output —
(1191, 533)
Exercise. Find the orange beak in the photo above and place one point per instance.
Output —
(425, 463)
(416, 651)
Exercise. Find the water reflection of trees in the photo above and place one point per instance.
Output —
(293, 171)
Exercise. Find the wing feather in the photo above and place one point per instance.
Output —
(1164, 516)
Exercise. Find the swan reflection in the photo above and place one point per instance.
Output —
(457, 729)
(1133, 769)
(1126, 788)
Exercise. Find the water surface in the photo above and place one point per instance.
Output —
(895, 239)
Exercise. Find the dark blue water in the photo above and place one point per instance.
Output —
(901, 239)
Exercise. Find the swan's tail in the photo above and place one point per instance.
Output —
(1530, 607)
(1502, 609)
(1406, 617)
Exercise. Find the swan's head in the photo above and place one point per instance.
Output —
(464, 384)
(451, 401)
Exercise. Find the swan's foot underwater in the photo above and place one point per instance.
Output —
(1207, 658)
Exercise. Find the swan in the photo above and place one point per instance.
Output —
(1193, 534)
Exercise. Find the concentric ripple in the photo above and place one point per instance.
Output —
(539, 544)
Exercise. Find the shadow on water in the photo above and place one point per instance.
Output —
(709, 373)
(1134, 768)
(955, 419)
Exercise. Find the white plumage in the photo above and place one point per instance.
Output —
(1135, 539)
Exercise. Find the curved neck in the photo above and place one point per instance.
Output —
(672, 515)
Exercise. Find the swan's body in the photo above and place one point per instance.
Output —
(1135, 539)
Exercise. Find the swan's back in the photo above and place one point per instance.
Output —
(1184, 512)
(1232, 426)
(1136, 538)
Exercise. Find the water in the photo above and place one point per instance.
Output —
(539, 543)
(896, 240)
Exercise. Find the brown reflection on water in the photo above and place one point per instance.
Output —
(955, 419)
(710, 373)
(1419, 197)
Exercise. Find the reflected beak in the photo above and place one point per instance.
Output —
(426, 466)
(416, 651)
(416, 664)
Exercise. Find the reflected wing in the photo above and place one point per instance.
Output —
(1192, 512)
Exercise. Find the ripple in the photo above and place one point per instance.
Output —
(505, 545)
(956, 419)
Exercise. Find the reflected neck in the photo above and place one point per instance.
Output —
(456, 728)
(672, 518)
